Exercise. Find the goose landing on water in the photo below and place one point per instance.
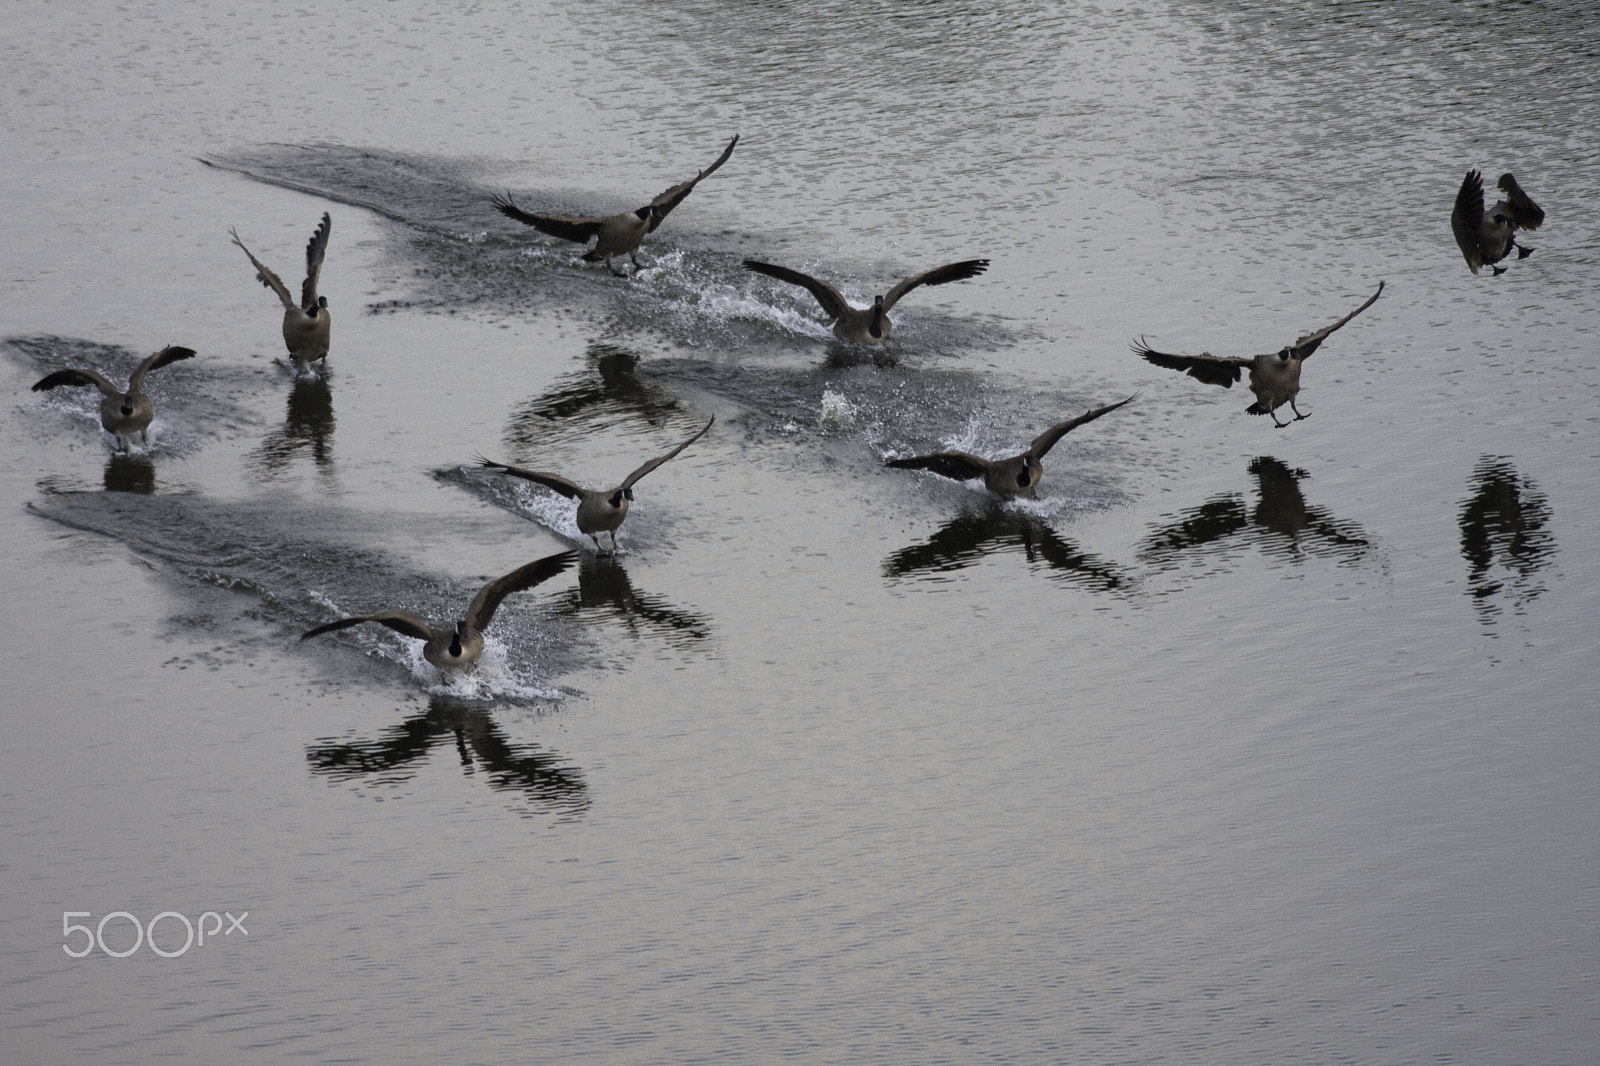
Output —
(599, 511)
(1008, 477)
(1487, 238)
(1275, 378)
(618, 234)
(121, 413)
(868, 325)
(306, 327)
(462, 644)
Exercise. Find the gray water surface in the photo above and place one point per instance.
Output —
(1236, 744)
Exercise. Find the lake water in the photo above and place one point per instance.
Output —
(1236, 744)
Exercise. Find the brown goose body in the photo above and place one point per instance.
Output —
(599, 510)
(1274, 378)
(307, 328)
(866, 325)
(1486, 237)
(1011, 476)
(461, 644)
(613, 234)
(122, 413)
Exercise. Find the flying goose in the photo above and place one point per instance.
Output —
(867, 325)
(599, 511)
(1275, 378)
(462, 644)
(1489, 238)
(305, 324)
(618, 234)
(1008, 477)
(121, 413)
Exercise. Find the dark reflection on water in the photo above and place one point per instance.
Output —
(455, 253)
(130, 473)
(842, 356)
(458, 254)
(1280, 523)
(1504, 536)
(970, 536)
(604, 587)
(307, 429)
(608, 386)
(549, 786)
(44, 353)
(292, 580)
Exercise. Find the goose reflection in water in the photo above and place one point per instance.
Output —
(1503, 531)
(1281, 522)
(843, 356)
(307, 428)
(480, 745)
(609, 385)
(130, 473)
(972, 535)
(604, 586)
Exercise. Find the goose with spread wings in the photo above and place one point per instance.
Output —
(868, 325)
(461, 644)
(1274, 378)
(1011, 476)
(306, 327)
(599, 510)
(1485, 238)
(122, 413)
(618, 234)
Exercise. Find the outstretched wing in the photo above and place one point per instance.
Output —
(1308, 344)
(678, 193)
(264, 275)
(523, 577)
(958, 466)
(658, 460)
(76, 377)
(399, 621)
(1524, 212)
(967, 268)
(1045, 441)
(1466, 219)
(833, 304)
(1211, 369)
(316, 249)
(170, 354)
(576, 228)
(550, 481)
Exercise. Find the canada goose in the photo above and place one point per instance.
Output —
(1489, 238)
(1008, 477)
(305, 324)
(121, 413)
(598, 511)
(1275, 378)
(618, 233)
(462, 644)
(869, 325)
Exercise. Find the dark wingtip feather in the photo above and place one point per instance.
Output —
(508, 207)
